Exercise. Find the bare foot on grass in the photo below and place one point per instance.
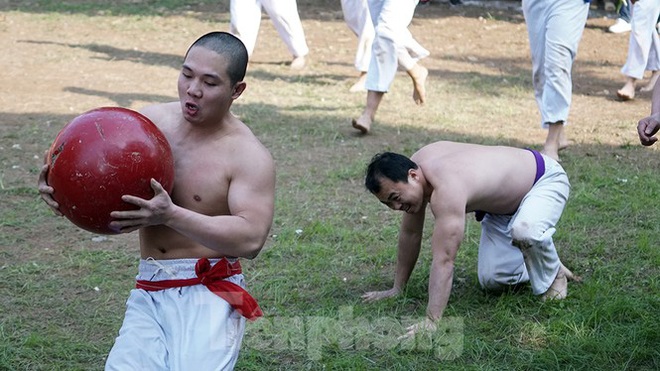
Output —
(362, 123)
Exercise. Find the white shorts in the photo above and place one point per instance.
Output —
(185, 328)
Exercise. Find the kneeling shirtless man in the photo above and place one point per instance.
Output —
(517, 194)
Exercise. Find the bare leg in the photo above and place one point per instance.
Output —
(298, 63)
(563, 141)
(418, 74)
(552, 141)
(627, 92)
(359, 85)
(363, 123)
(651, 84)
(559, 288)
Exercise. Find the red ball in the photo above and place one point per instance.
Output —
(101, 155)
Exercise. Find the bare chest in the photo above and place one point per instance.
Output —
(201, 182)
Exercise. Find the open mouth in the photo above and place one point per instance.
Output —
(191, 108)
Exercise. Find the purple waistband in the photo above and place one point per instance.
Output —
(540, 170)
(540, 164)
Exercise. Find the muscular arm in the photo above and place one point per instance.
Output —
(241, 233)
(410, 242)
(447, 236)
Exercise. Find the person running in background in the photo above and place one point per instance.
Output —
(358, 19)
(622, 23)
(554, 28)
(245, 18)
(391, 48)
(643, 48)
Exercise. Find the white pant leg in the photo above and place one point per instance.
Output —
(176, 328)
(500, 264)
(391, 19)
(415, 49)
(554, 28)
(533, 225)
(285, 18)
(245, 19)
(644, 44)
(358, 19)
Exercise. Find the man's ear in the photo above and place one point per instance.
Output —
(239, 88)
(412, 173)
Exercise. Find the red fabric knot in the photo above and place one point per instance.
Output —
(214, 279)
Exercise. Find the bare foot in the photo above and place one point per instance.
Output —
(418, 75)
(359, 85)
(362, 123)
(298, 63)
(627, 92)
(649, 87)
(559, 288)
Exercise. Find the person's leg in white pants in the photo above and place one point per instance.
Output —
(554, 28)
(500, 264)
(643, 48)
(391, 19)
(285, 18)
(245, 19)
(358, 20)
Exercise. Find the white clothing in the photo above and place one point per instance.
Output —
(644, 44)
(185, 328)
(245, 18)
(519, 248)
(358, 19)
(554, 28)
(393, 44)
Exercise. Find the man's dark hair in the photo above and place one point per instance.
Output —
(229, 46)
(392, 166)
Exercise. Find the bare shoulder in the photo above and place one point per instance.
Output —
(245, 140)
(250, 154)
(162, 114)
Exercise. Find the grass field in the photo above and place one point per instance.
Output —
(62, 290)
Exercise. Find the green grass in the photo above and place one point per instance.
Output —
(62, 292)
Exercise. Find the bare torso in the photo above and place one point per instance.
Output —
(204, 165)
(488, 178)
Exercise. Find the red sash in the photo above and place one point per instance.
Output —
(214, 279)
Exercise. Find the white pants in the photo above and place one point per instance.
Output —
(246, 18)
(644, 44)
(358, 19)
(554, 28)
(187, 328)
(393, 44)
(518, 248)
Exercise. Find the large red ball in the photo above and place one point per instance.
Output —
(101, 155)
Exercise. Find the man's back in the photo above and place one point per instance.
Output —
(489, 178)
